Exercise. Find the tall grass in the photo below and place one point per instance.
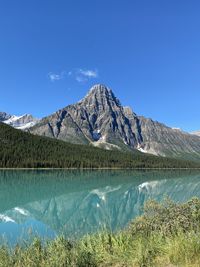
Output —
(167, 235)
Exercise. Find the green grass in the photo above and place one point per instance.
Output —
(167, 235)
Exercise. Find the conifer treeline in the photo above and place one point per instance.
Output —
(22, 150)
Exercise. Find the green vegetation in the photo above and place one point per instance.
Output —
(23, 150)
(167, 234)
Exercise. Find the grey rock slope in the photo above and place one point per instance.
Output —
(165, 141)
(101, 120)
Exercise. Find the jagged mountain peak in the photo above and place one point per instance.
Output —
(100, 94)
(100, 88)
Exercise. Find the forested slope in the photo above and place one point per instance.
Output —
(23, 150)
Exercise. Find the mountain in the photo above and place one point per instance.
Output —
(100, 119)
(4, 116)
(19, 122)
(24, 150)
(196, 133)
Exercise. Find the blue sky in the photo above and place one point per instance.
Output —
(148, 52)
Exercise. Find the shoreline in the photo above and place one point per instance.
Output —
(106, 168)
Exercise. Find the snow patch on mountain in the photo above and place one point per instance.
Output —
(196, 133)
(149, 151)
(6, 219)
(21, 122)
(142, 150)
(21, 211)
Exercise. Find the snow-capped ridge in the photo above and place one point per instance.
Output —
(197, 133)
(22, 122)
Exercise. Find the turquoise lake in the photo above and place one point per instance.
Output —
(50, 202)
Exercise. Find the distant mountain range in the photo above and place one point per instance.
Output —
(196, 133)
(19, 122)
(100, 119)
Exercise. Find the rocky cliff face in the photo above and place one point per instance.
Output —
(158, 139)
(101, 120)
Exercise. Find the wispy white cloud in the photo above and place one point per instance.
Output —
(83, 75)
(56, 76)
(89, 73)
(80, 75)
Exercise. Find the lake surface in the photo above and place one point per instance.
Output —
(73, 203)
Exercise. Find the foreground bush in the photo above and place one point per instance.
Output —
(167, 235)
(168, 218)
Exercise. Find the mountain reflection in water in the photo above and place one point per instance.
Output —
(74, 203)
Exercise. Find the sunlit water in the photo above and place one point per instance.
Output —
(73, 203)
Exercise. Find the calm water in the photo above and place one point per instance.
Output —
(74, 203)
